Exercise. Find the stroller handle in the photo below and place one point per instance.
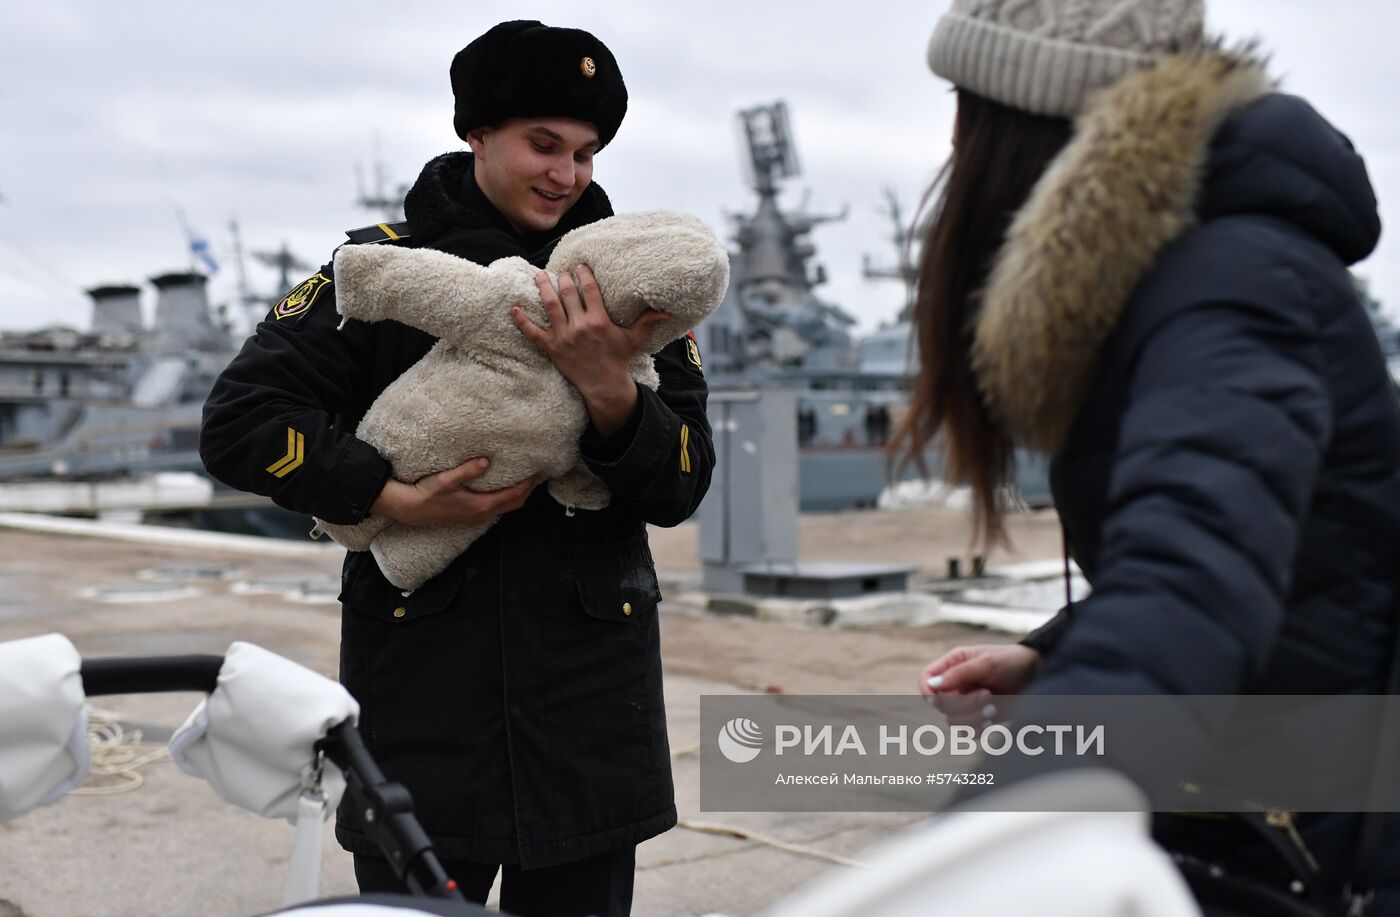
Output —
(393, 826)
(150, 674)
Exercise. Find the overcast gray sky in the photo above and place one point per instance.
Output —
(116, 115)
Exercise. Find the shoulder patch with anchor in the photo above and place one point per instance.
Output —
(302, 297)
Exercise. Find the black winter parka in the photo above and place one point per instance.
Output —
(518, 694)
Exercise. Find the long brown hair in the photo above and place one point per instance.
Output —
(999, 154)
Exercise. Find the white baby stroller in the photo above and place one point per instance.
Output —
(272, 737)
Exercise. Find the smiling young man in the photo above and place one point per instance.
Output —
(518, 694)
(534, 169)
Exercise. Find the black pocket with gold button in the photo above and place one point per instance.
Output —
(621, 588)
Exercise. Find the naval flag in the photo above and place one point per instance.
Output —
(199, 247)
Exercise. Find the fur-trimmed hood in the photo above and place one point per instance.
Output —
(1196, 137)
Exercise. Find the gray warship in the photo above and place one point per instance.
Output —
(775, 330)
(118, 399)
(122, 401)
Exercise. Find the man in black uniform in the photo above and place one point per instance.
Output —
(518, 694)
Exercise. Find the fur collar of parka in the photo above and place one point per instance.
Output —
(446, 202)
(1123, 188)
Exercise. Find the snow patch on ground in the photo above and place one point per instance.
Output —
(1036, 595)
(923, 493)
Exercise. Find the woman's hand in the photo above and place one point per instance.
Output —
(443, 498)
(588, 347)
(960, 682)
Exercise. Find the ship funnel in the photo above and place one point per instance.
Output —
(183, 322)
(116, 310)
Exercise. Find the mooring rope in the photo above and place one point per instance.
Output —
(117, 756)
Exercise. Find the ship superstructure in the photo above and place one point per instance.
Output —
(774, 329)
(121, 399)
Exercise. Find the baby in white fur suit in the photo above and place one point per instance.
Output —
(484, 389)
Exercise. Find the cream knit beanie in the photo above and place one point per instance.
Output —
(1046, 56)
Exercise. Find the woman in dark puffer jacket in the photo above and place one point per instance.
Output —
(1139, 266)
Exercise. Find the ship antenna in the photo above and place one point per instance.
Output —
(285, 262)
(904, 270)
(379, 199)
(246, 300)
(772, 154)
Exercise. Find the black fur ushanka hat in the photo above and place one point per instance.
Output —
(525, 69)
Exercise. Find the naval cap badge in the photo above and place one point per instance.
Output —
(587, 67)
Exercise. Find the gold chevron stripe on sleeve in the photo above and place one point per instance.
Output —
(296, 452)
(685, 449)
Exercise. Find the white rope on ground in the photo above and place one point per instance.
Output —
(116, 756)
(746, 835)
